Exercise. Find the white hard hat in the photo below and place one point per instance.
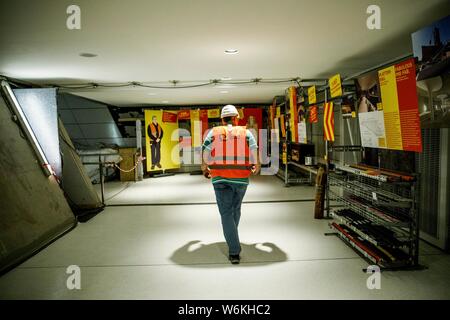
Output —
(229, 111)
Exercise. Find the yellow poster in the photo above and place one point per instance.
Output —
(213, 113)
(335, 86)
(312, 98)
(389, 96)
(162, 140)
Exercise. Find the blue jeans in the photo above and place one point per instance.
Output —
(229, 199)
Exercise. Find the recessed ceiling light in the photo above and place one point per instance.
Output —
(165, 101)
(225, 78)
(224, 91)
(88, 55)
(231, 51)
(151, 94)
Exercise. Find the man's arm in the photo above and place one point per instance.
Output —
(206, 150)
(254, 154)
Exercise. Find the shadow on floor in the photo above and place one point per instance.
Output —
(197, 254)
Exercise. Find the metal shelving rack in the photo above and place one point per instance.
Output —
(377, 201)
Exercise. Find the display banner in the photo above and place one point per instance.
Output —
(184, 114)
(312, 98)
(213, 113)
(283, 126)
(199, 125)
(162, 140)
(169, 117)
(302, 137)
(328, 121)
(400, 105)
(278, 114)
(313, 115)
(293, 119)
(335, 86)
(272, 111)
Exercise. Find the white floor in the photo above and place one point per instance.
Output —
(177, 252)
(184, 188)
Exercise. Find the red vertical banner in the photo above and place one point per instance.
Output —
(328, 121)
(204, 120)
(405, 74)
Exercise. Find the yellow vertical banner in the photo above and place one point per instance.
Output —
(335, 86)
(389, 96)
(293, 119)
(196, 130)
(312, 98)
(162, 140)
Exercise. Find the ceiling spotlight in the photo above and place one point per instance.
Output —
(88, 55)
(225, 78)
(224, 91)
(165, 101)
(231, 51)
(151, 94)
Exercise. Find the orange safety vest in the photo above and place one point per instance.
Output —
(230, 154)
(153, 130)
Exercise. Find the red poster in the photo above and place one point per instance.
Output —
(408, 106)
(256, 113)
(169, 117)
(184, 114)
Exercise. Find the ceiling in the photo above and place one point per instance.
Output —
(161, 40)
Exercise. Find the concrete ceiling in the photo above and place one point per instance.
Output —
(163, 40)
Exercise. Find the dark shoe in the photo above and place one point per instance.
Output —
(234, 258)
(158, 165)
(153, 167)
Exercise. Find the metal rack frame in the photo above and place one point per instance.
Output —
(375, 193)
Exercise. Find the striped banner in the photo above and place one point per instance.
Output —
(313, 115)
(328, 121)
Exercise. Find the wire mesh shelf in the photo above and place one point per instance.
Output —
(368, 212)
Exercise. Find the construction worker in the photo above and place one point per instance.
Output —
(230, 156)
(155, 133)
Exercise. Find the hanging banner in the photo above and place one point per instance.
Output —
(169, 117)
(213, 113)
(283, 126)
(302, 137)
(370, 111)
(199, 125)
(328, 121)
(272, 111)
(400, 105)
(313, 115)
(161, 140)
(335, 86)
(184, 114)
(293, 119)
(312, 98)
(278, 114)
